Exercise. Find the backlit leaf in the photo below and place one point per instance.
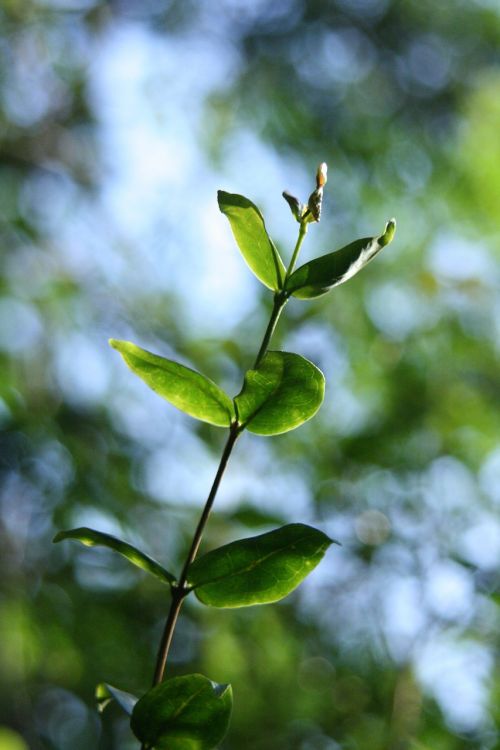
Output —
(320, 275)
(92, 538)
(260, 569)
(186, 389)
(251, 236)
(283, 392)
(183, 713)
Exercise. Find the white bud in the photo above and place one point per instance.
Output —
(321, 175)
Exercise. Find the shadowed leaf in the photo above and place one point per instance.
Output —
(92, 538)
(258, 570)
(320, 275)
(105, 693)
(183, 713)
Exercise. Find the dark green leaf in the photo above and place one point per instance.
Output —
(184, 388)
(250, 233)
(260, 569)
(320, 275)
(283, 392)
(183, 713)
(92, 538)
(105, 693)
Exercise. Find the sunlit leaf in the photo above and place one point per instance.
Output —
(183, 713)
(251, 236)
(186, 389)
(260, 569)
(320, 275)
(283, 392)
(105, 693)
(92, 538)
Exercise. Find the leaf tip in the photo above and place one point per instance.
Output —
(114, 343)
(222, 690)
(330, 540)
(58, 537)
(389, 232)
(221, 198)
(296, 206)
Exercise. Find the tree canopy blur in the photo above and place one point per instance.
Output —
(118, 122)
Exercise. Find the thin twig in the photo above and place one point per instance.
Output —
(180, 591)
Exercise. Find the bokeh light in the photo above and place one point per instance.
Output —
(118, 123)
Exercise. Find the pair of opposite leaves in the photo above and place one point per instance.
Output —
(257, 570)
(191, 712)
(285, 389)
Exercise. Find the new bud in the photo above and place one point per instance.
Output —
(311, 211)
(316, 197)
(296, 206)
(314, 205)
(321, 177)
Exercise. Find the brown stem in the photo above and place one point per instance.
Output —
(179, 591)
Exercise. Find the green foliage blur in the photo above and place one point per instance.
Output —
(118, 122)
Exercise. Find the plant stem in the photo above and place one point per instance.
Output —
(180, 590)
(279, 303)
(280, 298)
(300, 239)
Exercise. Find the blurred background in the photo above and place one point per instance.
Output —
(118, 122)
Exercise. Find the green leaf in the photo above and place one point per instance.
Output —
(105, 693)
(283, 392)
(258, 570)
(186, 389)
(92, 538)
(320, 275)
(183, 713)
(251, 236)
